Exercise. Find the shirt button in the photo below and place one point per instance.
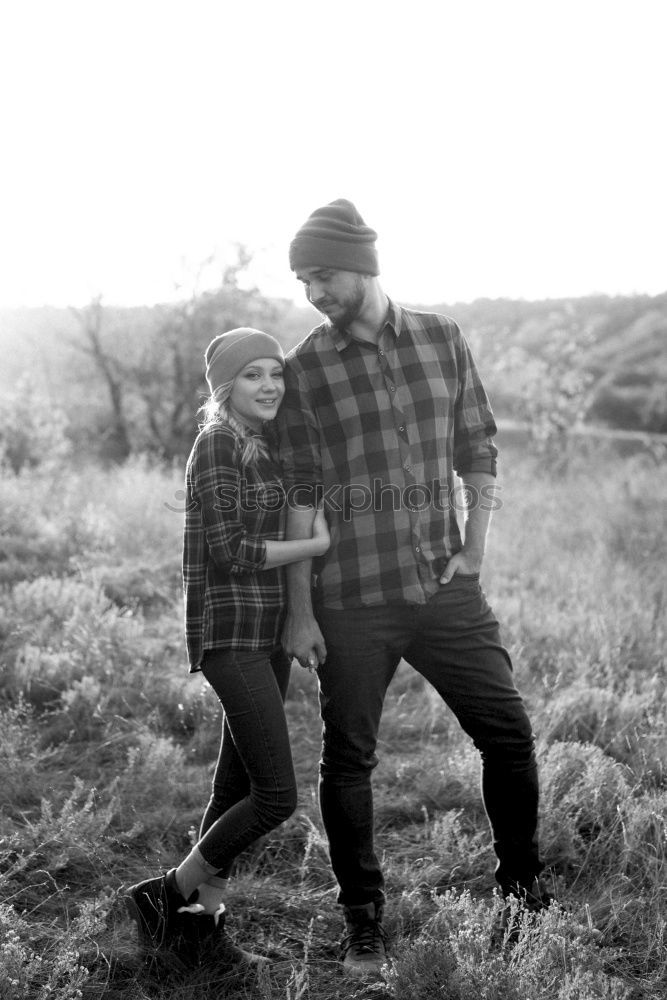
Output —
(401, 428)
(392, 388)
(417, 549)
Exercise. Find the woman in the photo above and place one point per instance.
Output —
(234, 602)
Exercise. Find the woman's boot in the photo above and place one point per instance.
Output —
(154, 905)
(204, 940)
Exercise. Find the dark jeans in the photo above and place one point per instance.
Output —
(454, 642)
(254, 787)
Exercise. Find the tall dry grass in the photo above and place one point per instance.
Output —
(107, 745)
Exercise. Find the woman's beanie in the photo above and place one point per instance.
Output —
(335, 236)
(229, 353)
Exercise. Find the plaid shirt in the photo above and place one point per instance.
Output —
(381, 429)
(230, 601)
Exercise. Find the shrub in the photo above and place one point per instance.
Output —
(31, 434)
(449, 850)
(555, 958)
(644, 842)
(25, 972)
(586, 713)
(61, 519)
(155, 786)
(428, 780)
(582, 793)
(64, 630)
(22, 763)
(72, 832)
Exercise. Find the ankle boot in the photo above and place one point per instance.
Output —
(364, 947)
(204, 940)
(154, 904)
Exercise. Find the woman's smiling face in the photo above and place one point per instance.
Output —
(257, 392)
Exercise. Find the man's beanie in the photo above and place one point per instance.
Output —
(229, 353)
(335, 236)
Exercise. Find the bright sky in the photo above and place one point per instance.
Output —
(514, 148)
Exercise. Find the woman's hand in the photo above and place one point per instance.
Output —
(321, 531)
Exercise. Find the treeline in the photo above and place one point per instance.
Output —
(112, 382)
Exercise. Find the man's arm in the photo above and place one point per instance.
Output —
(478, 491)
(302, 471)
(301, 635)
(474, 458)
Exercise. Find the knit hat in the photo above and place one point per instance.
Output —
(230, 352)
(335, 236)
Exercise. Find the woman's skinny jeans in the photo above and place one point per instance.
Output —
(254, 787)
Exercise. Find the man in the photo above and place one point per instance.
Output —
(383, 405)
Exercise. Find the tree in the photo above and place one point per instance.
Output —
(553, 392)
(151, 361)
(91, 321)
(169, 375)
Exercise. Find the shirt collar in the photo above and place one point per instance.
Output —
(394, 322)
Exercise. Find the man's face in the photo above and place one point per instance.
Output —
(338, 295)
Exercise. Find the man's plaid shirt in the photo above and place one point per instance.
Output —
(231, 602)
(382, 430)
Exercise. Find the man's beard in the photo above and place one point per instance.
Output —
(350, 310)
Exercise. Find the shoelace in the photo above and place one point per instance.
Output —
(367, 937)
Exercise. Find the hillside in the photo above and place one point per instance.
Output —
(621, 342)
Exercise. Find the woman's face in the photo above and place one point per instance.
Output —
(257, 392)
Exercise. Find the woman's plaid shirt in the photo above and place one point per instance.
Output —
(230, 601)
(381, 430)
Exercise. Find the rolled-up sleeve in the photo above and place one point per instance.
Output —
(474, 423)
(217, 490)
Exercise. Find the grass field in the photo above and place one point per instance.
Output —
(107, 746)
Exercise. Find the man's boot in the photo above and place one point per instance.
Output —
(364, 949)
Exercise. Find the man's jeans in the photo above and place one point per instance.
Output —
(254, 787)
(454, 642)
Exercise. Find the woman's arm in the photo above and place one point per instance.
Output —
(295, 550)
(217, 476)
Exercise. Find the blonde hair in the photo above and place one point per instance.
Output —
(216, 410)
